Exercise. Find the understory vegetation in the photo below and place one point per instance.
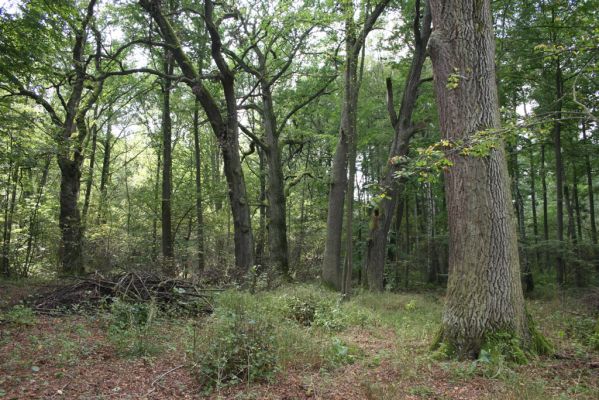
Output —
(302, 341)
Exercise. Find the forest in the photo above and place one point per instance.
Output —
(309, 199)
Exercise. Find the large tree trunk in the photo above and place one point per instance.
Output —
(382, 215)
(277, 225)
(71, 245)
(331, 267)
(484, 293)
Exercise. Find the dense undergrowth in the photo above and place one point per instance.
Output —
(252, 340)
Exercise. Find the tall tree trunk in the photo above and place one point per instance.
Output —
(589, 173)
(533, 204)
(168, 248)
(331, 268)
(33, 225)
(382, 214)
(431, 247)
(90, 174)
(71, 246)
(277, 207)
(559, 175)
(576, 202)
(104, 176)
(11, 201)
(225, 127)
(198, 176)
(545, 206)
(155, 246)
(484, 293)
(260, 256)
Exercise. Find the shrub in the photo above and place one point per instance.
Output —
(238, 345)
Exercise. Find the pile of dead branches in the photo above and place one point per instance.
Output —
(96, 291)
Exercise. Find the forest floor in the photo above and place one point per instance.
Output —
(375, 346)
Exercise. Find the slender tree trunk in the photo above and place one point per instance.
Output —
(533, 204)
(11, 201)
(398, 218)
(90, 174)
(484, 293)
(559, 175)
(260, 256)
(105, 176)
(545, 206)
(155, 246)
(572, 238)
(168, 248)
(383, 214)
(432, 258)
(331, 268)
(198, 176)
(33, 225)
(576, 203)
(589, 173)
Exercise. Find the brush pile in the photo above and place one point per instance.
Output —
(96, 291)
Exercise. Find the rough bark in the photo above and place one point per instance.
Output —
(382, 214)
(277, 203)
(484, 293)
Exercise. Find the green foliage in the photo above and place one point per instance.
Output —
(238, 345)
(584, 329)
(132, 328)
(19, 315)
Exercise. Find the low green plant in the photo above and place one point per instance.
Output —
(238, 346)
(131, 328)
(19, 315)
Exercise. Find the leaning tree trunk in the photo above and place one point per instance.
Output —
(484, 293)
